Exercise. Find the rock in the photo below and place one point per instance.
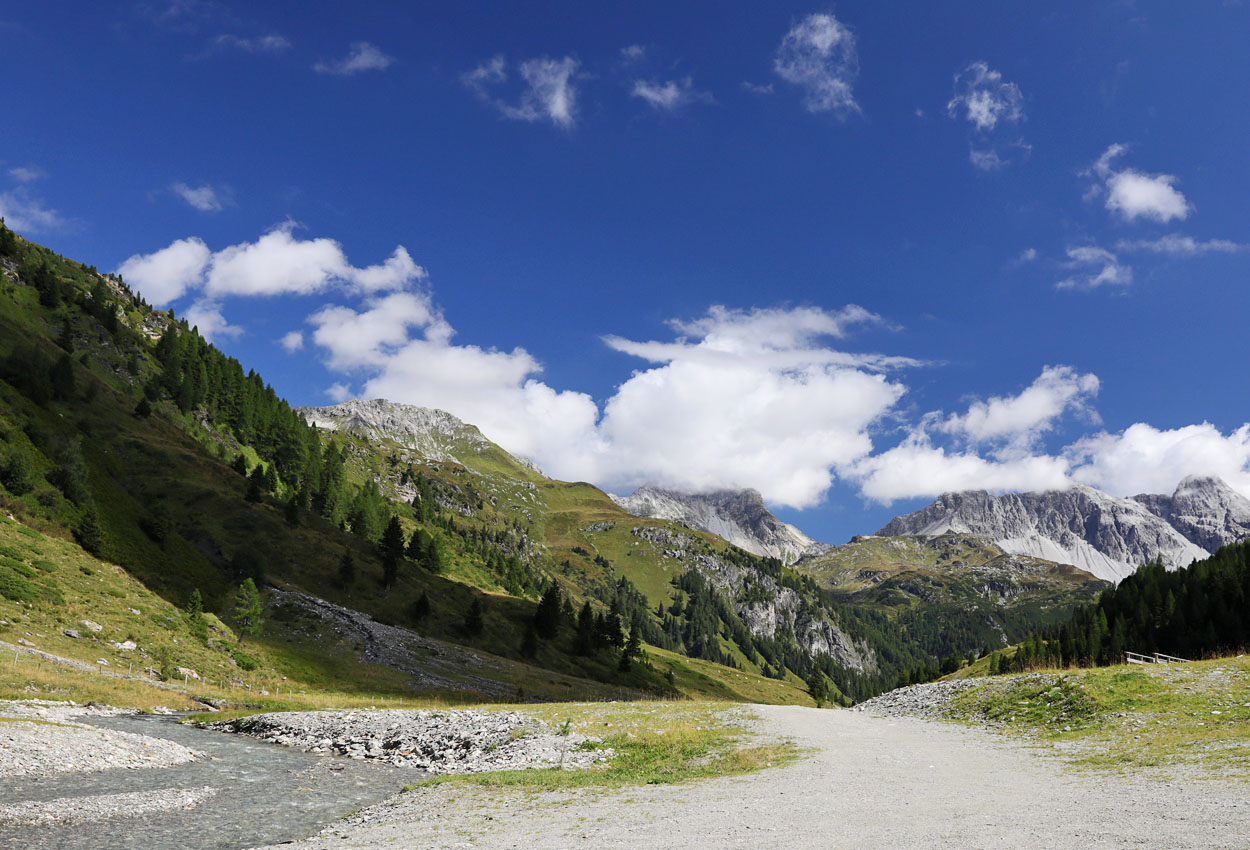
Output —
(126, 646)
(135, 611)
(102, 661)
(92, 625)
(186, 673)
(24, 642)
(71, 633)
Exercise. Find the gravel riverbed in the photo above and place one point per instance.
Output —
(449, 741)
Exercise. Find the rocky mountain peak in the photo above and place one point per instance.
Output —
(738, 516)
(435, 434)
(1097, 532)
(1204, 509)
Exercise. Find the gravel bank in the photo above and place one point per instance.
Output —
(71, 810)
(452, 741)
(932, 700)
(869, 783)
(39, 738)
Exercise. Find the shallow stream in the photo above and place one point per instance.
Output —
(266, 794)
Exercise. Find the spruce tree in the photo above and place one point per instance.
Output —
(87, 532)
(195, 616)
(632, 650)
(474, 621)
(347, 570)
(248, 610)
(529, 644)
(421, 608)
(585, 643)
(547, 616)
(255, 485)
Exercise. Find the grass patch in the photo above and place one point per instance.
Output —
(654, 743)
(1182, 719)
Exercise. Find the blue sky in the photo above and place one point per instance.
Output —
(851, 255)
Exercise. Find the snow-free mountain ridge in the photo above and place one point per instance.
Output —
(1104, 535)
(738, 516)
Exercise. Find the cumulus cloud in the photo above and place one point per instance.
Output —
(1023, 418)
(339, 392)
(278, 263)
(818, 55)
(292, 341)
(1028, 255)
(1145, 459)
(166, 275)
(1176, 245)
(549, 94)
(740, 398)
(1092, 267)
(27, 173)
(985, 99)
(203, 198)
(986, 160)
(670, 95)
(23, 212)
(205, 314)
(1134, 194)
(633, 52)
(361, 57)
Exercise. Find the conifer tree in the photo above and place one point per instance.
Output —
(248, 610)
(585, 643)
(529, 643)
(474, 620)
(547, 616)
(87, 532)
(347, 570)
(421, 608)
(195, 616)
(632, 650)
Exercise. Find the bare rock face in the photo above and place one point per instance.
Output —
(737, 516)
(1205, 510)
(1087, 528)
(436, 434)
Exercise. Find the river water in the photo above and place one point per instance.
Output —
(266, 794)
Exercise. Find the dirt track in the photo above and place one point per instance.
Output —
(869, 783)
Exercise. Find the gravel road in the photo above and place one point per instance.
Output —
(869, 782)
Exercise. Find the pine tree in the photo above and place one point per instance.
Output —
(87, 532)
(585, 643)
(547, 616)
(818, 688)
(474, 620)
(632, 650)
(347, 570)
(248, 610)
(256, 485)
(392, 547)
(529, 644)
(291, 511)
(195, 616)
(421, 608)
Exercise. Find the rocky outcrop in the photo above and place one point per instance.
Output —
(433, 434)
(1087, 528)
(737, 516)
(1205, 510)
(766, 606)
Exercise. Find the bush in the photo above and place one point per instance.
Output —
(245, 661)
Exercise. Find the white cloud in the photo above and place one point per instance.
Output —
(27, 173)
(756, 88)
(986, 160)
(740, 398)
(1145, 459)
(1021, 419)
(633, 52)
(1134, 194)
(362, 57)
(549, 94)
(339, 392)
(1093, 267)
(23, 212)
(166, 275)
(278, 263)
(292, 341)
(257, 44)
(917, 468)
(275, 264)
(670, 95)
(1028, 255)
(203, 198)
(206, 315)
(984, 99)
(818, 54)
(1176, 245)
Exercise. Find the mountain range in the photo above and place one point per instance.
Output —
(1108, 537)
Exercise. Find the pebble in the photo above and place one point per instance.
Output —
(101, 806)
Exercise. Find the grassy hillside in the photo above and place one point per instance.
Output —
(122, 430)
(954, 593)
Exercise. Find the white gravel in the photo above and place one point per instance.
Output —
(868, 783)
(71, 810)
(450, 741)
(40, 738)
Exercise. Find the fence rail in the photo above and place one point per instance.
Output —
(1152, 658)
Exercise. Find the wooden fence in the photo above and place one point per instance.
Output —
(1153, 658)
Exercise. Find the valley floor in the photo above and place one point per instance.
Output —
(866, 782)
